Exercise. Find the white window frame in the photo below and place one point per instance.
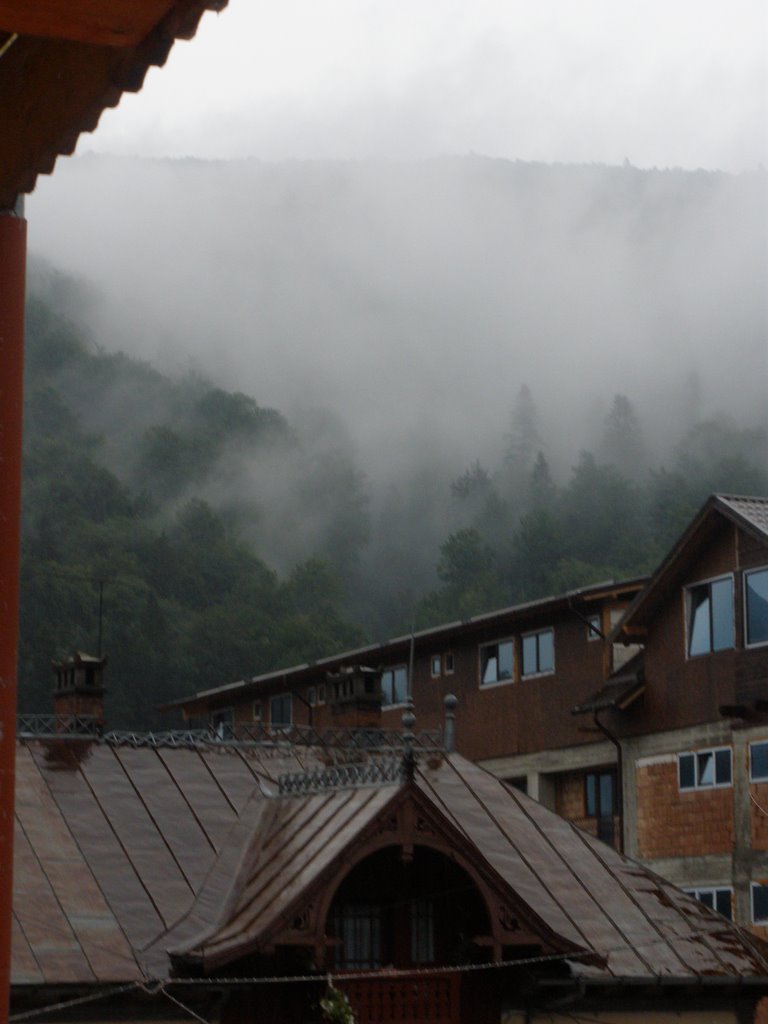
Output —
(435, 658)
(747, 574)
(687, 589)
(496, 682)
(450, 663)
(711, 890)
(257, 711)
(539, 672)
(320, 694)
(752, 887)
(698, 785)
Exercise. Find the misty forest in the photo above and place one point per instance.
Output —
(340, 402)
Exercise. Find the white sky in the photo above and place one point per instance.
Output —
(661, 82)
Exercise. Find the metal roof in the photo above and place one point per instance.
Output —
(62, 62)
(628, 922)
(125, 853)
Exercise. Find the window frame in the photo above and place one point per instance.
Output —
(435, 659)
(712, 890)
(752, 776)
(449, 662)
(753, 886)
(758, 569)
(698, 786)
(257, 711)
(482, 665)
(592, 635)
(688, 590)
(281, 697)
(539, 671)
(223, 722)
(386, 705)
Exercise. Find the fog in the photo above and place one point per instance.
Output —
(414, 298)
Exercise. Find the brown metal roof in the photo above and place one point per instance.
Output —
(123, 854)
(113, 846)
(62, 62)
(619, 692)
(596, 901)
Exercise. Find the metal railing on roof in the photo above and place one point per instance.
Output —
(58, 726)
(368, 741)
(375, 772)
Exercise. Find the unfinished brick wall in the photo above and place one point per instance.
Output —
(675, 824)
(758, 792)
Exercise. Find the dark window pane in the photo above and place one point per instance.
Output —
(760, 902)
(590, 795)
(758, 761)
(722, 767)
(687, 773)
(698, 626)
(722, 615)
(606, 793)
(757, 607)
(723, 902)
(707, 897)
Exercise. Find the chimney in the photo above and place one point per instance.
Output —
(79, 690)
(354, 697)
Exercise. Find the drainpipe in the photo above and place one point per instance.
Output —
(13, 250)
(619, 773)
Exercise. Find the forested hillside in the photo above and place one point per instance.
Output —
(159, 498)
(118, 518)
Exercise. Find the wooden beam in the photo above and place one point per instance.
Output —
(103, 22)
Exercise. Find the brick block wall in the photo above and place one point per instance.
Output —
(675, 824)
(758, 792)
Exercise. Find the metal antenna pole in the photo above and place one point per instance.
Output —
(13, 255)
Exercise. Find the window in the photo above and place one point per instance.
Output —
(496, 662)
(257, 711)
(422, 932)
(760, 902)
(594, 627)
(321, 693)
(718, 899)
(704, 769)
(758, 762)
(710, 616)
(223, 722)
(449, 663)
(600, 802)
(281, 710)
(756, 601)
(358, 925)
(394, 685)
(435, 665)
(539, 652)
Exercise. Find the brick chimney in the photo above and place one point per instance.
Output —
(79, 687)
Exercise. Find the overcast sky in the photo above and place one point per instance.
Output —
(660, 82)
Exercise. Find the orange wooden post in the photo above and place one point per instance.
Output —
(13, 248)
